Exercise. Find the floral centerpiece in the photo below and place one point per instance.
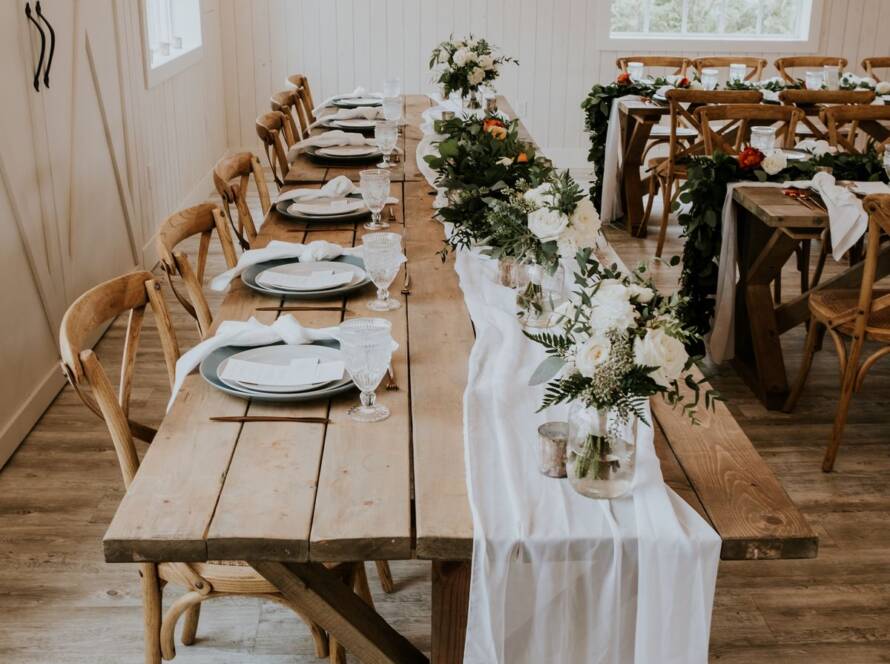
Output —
(850, 81)
(620, 342)
(465, 65)
(480, 161)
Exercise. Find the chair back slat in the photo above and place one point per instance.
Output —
(301, 83)
(850, 128)
(677, 64)
(270, 128)
(785, 65)
(785, 118)
(870, 64)
(811, 102)
(242, 165)
(754, 66)
(286, 103)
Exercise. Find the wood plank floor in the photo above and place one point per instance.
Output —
(59, 601)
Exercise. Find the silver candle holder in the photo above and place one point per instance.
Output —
(552, 438)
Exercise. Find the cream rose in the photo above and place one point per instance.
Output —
(486, 62)
(660, 350)
(461, 57)
(883, 88)
(547, 224)
(611, 307)
(591, 354)
(643, 294)
(774, 162)
(540, 195)
(476, 76)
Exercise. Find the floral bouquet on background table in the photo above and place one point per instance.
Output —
(620, 342)
(466, 65)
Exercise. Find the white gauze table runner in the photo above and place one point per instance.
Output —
(611, 208)
(557, 577)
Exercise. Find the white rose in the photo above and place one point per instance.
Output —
(540, 195)
(591, 354)
(461, 57)
(567, 244)
(774, 162)
(486, 62)
(660, 350)
(883, 88)
(477, 75)
(585, 216)
(696, 85)
(643, 294)
(611, 307)
(547, 224)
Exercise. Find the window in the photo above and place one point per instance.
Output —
(740, 20)
(172, 37)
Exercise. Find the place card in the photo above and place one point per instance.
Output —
(315, 280)
(304, 371)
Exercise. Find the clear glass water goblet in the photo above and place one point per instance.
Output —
(709, 78)
(737, 72)
(374, 185)
(392, 109)
(831, 76)
(636, 70)
(366, 348)
(386, 134)
(763, 139)
(382, 254)
(392, 87)
(814, 80)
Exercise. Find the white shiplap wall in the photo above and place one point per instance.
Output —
(343, 43)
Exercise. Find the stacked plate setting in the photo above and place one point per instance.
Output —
(307, 281)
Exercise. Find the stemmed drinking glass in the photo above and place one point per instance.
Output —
(392, 109)
(382, 253)
(709, 78)
(763, 139)
(392, 87)
(374, 185)
(386, 134)
(366, 347)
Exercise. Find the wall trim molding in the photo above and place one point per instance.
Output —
(23, 420)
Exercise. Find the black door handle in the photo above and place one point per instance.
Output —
(42, 45)
(52, 44)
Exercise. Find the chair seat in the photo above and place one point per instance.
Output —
(828, 304)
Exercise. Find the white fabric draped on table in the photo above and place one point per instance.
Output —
(610, 206)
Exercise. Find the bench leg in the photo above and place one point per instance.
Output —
(451, 596)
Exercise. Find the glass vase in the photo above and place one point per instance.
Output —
(539, 295)
(472, 102)
(601, 452)
(507, 269)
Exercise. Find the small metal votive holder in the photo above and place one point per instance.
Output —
(552, 437)
(491, 105)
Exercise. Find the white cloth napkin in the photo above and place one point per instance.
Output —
(340, 187)
(358, 92)
(248, 333)
(317, 250)
(847, 218)
(328, 139)
(816, 147)
(366, 112)
(556, 576)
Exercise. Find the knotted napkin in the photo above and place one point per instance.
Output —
(358, 92)
(366, 112)
(329, 139)
(847, 219)
(318, 250)
(340, 187)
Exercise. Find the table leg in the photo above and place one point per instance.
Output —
(324, 599)
(636, 137)
(451, 596)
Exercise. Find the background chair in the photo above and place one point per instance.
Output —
(288, 103)
(870, 64)
(200, 220)
(784, 118)
(674, 64)
(811, 103)
(850, 128)
(231, 177)
(273, 131)
(304, 94)
(858, 315)
(785, 66)
(754, 65)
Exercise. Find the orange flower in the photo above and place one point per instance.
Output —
(750, 158)
(498, 131)
(683, 83)
(522, 158)
(488, 123)
(623, 79)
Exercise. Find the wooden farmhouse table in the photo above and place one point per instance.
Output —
(288, 497)
(771, 226)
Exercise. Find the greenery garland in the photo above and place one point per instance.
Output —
(702, 197)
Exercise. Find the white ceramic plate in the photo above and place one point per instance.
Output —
(347, 151)
(359, 101)
(327, 207)
(355, 123)
(280, 355)
(305, 269)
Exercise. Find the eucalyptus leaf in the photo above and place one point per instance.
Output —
(546, 370)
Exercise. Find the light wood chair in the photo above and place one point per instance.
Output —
(669, 171)
(200, 220)
(304, 93)
(849, 128)
(858, 315)
(131, 294)
(784, 118)
(870, 64)
(678, 65)
(785, 65)
(273, 131)
(231, 177)
(754, 66)
(811, 102)
(288, 102)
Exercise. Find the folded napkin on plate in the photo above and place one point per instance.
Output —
(366, 112)
(814, 146)
(329, 139)
(847, 219)
(318, 250)
(358, 92)
(340, 187)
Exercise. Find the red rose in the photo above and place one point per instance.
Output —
(750, 158)
(623, 79)
(683, 83)
(488, 123)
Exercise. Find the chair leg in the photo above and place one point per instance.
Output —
(851, 369)
(360, 584)
(653, 188)
(820, 263)
(190, 624)
(338, 652)
(151, 608)
(666, 187)
(385, 575)
(777, 288)
(815, 332)
(803, 265)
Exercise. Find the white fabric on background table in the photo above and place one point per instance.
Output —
(357, 93)
(317, 250)
(365, 112)
(329, 139)
(558, 577)
(610, 206)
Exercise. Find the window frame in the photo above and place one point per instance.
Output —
(156, 75)
(723, 44)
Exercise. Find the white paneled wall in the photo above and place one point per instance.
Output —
(343, 43)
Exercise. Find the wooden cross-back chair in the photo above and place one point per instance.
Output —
(288, 103)
(870, 64)
(679, 65)
(857, 315)
(754, 66)
(304, 92)
(785, 65)
(231, 177)
(850, 128)
(784, 118)
(273, 131)
(669, 171)
(812, 101)
(200, 220)
(131, 294)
